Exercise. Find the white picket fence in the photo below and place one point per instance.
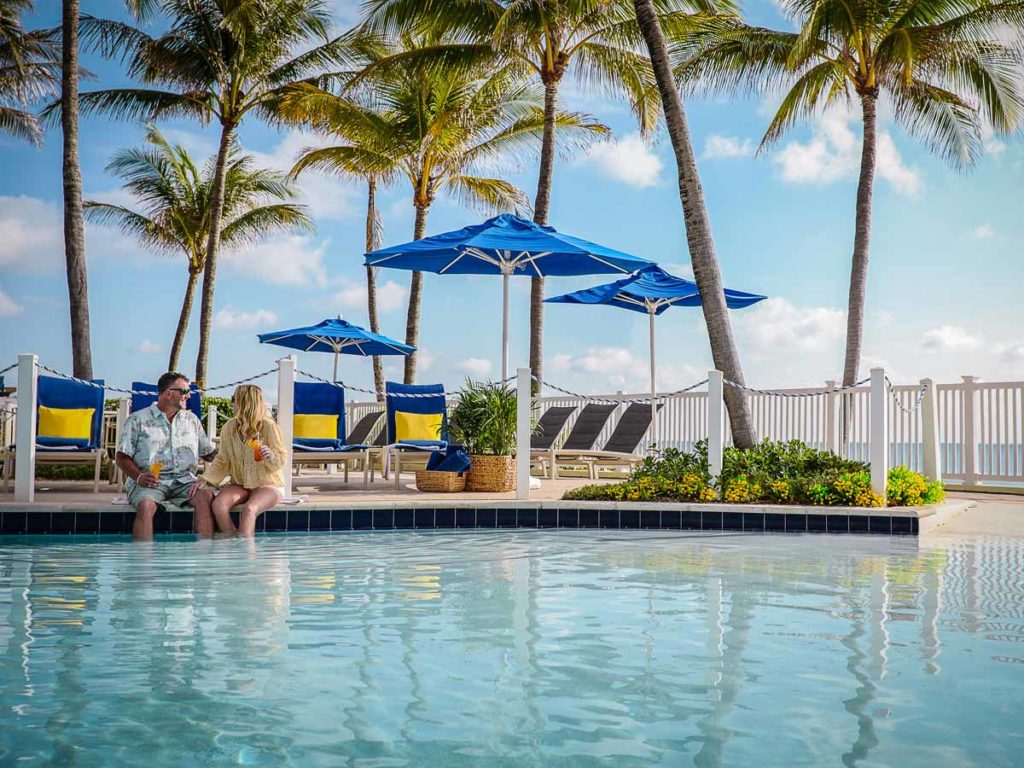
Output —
(980, 442)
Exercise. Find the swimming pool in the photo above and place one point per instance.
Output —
(523, 647)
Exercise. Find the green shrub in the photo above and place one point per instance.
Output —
(225, 409)
(774, 473)
(71, 471)
(484, 419)
(906, 488)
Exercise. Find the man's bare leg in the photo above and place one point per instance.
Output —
(142, 527)
(202, 520)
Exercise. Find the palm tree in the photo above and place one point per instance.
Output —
(74, 224)
(698, 230)
(29, 71)
(594, 41)
(175, 198)
(219, 60)
(361, 159)
(438, 111)
(947, 67)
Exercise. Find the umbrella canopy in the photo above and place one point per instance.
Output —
(505, 245)
(337, 336)
(651, 290)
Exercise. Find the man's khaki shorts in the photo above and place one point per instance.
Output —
(168, 492)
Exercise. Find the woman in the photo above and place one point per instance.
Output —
(252, 454)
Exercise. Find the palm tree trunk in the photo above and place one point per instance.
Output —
(541, 204)
(698, 230)
(212, 247)
(412, 320)
(183, 318)
(74, 223)
(371, 282)
(861, 245)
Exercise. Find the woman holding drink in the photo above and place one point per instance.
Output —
(252, 455)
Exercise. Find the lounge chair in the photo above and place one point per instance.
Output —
(69, 421)
(582, 437)
(417, 422)
(549, 427)
(319, 430)
(618, 451)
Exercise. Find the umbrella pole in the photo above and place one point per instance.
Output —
(504, 325)
(335, 365)
(654, 387)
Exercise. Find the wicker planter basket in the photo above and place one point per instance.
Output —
(429, 481)
(492, 474)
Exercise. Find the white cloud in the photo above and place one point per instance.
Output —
(1012, 352)
(989, 143)
(352, 296)
(328, 197)
(147, 347)
(678, 268)
(629, 160)
(231, 319)
(476, 366)
(286, 260)
(716, 146)
(425, 359)
(613, 369)
(8, 306)
(949, 337)
(31, 234)
(984, 231)
(833, 154)
(776, 327)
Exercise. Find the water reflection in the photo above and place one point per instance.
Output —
(533, 647)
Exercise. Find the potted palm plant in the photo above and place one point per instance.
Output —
(484, 421)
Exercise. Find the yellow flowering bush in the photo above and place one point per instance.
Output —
(906, 488)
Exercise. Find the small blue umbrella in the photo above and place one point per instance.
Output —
(505, 245)
(651, 290)
(337, 336)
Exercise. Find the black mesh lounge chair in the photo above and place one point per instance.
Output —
(619, 450)
(582, 436)
(549, 427)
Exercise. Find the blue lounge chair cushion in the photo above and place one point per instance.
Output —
(316, 398)
(63, 394)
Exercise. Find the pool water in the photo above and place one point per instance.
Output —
(535, 648)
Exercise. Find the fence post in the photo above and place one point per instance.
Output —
(931, 458)
(879, 449)
(211, 422)
(285, 412)
(523, 434)
(970, 432)
(716, 423)
(831, 417)
(124, 407)
(25, 434)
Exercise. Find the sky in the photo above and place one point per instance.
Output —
(944, 282)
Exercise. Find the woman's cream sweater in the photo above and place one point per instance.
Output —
(235, 458)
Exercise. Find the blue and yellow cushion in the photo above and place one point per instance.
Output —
(315, 426)
(418, 427)
(64, 426)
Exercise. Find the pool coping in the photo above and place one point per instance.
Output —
(502, 513)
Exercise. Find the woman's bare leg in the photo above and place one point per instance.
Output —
(260, 500)
(225, 500)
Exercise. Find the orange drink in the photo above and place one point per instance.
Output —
(155, 467)
(256, 446)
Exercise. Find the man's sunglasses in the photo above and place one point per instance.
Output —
(180, 390)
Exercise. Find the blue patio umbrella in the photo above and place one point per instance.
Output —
(337, 336)
(651, 290)
(505, 245)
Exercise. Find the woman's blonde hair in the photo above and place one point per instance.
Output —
(250, 411)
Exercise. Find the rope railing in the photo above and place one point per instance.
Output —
(619, 400)
(112, 388)
(8, 368)
(352, 388)
(777, 393)
(917, 402)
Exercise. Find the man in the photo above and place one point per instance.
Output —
(168, 434)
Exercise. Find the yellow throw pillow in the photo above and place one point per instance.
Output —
(315, 426)
(425, 427)
(65, 423)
